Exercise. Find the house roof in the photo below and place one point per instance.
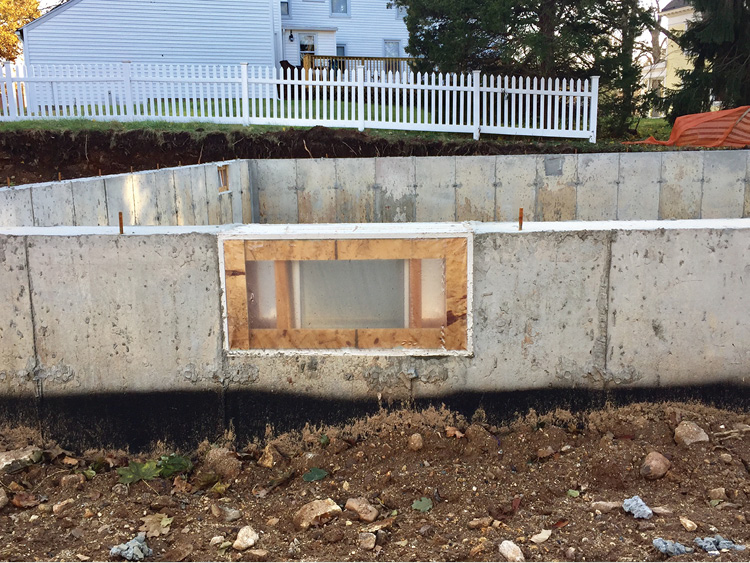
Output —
(52, 13)
(676, 5)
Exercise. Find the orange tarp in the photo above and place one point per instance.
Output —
(725, 128)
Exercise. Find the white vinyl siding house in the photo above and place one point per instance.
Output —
(154, 31)
(211, 31)
(363, 28)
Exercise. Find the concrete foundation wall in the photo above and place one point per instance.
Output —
(586, 187)
(586, 305)
(188, 195)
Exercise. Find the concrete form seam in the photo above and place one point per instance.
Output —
(494, 193)
(618, 184)
(73, 203)
(608, 277)
(106, 201)
(703, 182)
(577, 184)
(40, 389)
(31, 202)
(747, 185)
(174, 192)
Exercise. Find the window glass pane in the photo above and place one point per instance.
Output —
(392, 48)
(307, 42)
(340, 50)
(285, 8)
(433, 293)
(339, 6)
(261, 293)
(352, 294)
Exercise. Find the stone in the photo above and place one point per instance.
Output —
(543, 453)
(655, 466)
(365, 511)
(270, 457)
(661, 511)
(134, 550)
(246, 538)
(637, 507)
(225, 514)
(477, 523)
(60, 508)
(416, 442)
(688, 433)
(316, 513)
(511, 551)
(643, 526)
(333, 535)
(367, 541)
(570, 553)
(75, 481)
(668, 547)
(726, 458)
(604, 506)
(121, 489)
(272, 521)
(15, 460)
(718, 493)
(3, 498)
(216, 540)
(541, 537)
(223, 463)
(688, 524)
(257, 554)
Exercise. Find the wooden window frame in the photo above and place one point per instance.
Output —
(452, 338)
(223, 172)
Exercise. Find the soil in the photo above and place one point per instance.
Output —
(28, 156)
(540, 472)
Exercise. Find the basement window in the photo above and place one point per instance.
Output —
(356, 294)
(223, 178)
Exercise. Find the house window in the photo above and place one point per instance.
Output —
(339, 7)
(356, 294)
(392, 48)
(285, 8)
(340, 50)
(306, 46)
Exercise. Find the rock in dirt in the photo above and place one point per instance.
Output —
(637, 507)
(225, 514)
(134, 550)
(60, 508)
(257, 554)
(543, 453)
(668, 547)
(75, 481)
(216, 540)
(726, 458)
(246, 538)
(570, 553)
(3, 498)
(655, 466)
(604, 506)
(511, 551)
(270, 457)
(15, 460)
(719, 493)
(367, 541)
(541, 537)
(223, 463)
(477, 523)
(333, 535)
(688, 433)
(416, 442)
(121, 489)
(661, 511)
(688, 524)
(714, 545)
(365, 511)
(316, 513)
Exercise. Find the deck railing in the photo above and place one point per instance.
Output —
(243, 94)
(372, 65)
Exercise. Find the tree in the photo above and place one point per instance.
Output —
(720, 52)
(548, 38)
(13, 15)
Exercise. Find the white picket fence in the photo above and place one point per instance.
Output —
(243, 94)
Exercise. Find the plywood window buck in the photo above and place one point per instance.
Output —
(364, 294)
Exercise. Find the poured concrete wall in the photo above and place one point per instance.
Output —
(585, 305)
(586, 187)
(187, 195)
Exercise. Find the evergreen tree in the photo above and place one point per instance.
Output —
(719, 45)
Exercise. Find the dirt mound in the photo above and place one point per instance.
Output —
(454, 492)
(39, 156)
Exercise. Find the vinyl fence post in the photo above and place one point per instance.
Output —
(477, 123)
(10, 93)
(594, 106)
(361, 97)
(128, 87)
(245, 96)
